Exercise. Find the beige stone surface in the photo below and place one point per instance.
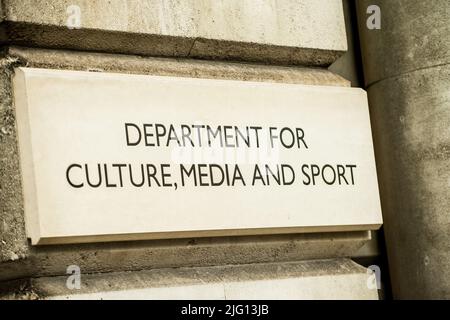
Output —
(278, 23)
(139, 255)
(128, 256)
(78, 107)
(348, 65)
(13, 242)
(132, 64)
(300, 32)
(320, 279)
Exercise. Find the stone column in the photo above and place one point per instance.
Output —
(407, 76)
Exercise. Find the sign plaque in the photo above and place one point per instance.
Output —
(109, 157)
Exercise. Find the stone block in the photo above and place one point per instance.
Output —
(291, 32)
(321, 279)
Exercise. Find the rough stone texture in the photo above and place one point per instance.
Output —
(407, 70)
(320, 279)
(293, 32)
(349, 67)
(128, 256)
(411, 120)
(13, 243)
(414, 35)
(72, 60)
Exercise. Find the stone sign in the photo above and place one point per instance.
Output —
(109, 157)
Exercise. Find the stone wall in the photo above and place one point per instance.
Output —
(286, 42)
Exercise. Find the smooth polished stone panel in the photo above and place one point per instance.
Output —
(15, 244)
(125, 157)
